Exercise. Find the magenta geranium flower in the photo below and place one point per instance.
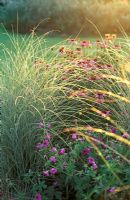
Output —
(38, 196)
(62, 151)
(86, 151)
(40, 146)
(54, 149)
(126, 135)
(113, 130)
(53, 171)
(94, 165)
(74, 136)
(40, 125)
(112, 189)
(107, 157)
(49, 126)
(46, 143)
(48, 136)
(91, 160)
(46, 173)
(53, 159)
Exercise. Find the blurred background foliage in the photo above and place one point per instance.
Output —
(66, 16)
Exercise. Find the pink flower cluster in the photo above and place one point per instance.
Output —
(86, 151)
(92, 162)
(45, 143)
(53, 159)
(53, 171)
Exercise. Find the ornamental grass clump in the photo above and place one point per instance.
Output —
(31, 93)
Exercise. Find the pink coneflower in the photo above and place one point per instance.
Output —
(117, 47)
(102, 45)
(82, 94)
(86, 44)
(62, 50)
(72, 41)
